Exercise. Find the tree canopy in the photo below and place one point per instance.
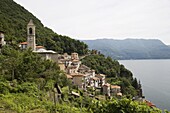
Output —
(28, 82)
(14, 19)
(115, 73)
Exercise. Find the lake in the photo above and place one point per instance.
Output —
(155, 79)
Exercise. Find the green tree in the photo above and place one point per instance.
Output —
(115, 73)
(14, 19)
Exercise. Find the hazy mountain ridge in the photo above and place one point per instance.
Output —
(131, 48)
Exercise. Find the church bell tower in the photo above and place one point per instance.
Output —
(31, 36)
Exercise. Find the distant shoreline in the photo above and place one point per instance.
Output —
(142, 59)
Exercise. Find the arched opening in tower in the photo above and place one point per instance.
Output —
(30, 31)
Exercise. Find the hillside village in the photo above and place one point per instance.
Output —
(42, 71)
(81, 76)
(84, 77)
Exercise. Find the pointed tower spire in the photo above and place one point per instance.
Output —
(31, 22)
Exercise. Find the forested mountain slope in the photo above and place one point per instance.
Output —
(131, 48)
(14, 19)
(29, 83)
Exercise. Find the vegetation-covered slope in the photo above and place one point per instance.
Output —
(26, 89)
(131, 48)
(28, 83)
(14, 19)
(116, 74)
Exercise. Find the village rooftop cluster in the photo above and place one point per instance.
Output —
(80, 75)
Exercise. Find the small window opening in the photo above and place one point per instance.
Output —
(30, 30)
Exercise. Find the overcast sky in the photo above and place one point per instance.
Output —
(93, 19)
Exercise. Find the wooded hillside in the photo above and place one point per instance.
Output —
(131, 48)
(14, 19)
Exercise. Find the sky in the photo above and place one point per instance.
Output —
(95, 19)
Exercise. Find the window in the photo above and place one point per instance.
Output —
(30, 30)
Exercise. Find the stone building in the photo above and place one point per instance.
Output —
(23, 45)
(102, 79)
(115, 90)
(106, 89)
(47, 54)
(31, 43)
(78, 79)
(74, 56)
(31, 36)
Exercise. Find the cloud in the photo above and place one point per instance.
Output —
(93, 19)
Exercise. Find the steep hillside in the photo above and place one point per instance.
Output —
(131, 48)
(13, 21)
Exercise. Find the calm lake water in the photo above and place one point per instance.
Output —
(155, 79)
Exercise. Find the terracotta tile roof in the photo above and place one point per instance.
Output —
(150, 104)
(107, 84)
(119, 94)
(84, 67)
(74, 53)
(115, 87)
(86, 74)
(65, 54)
(38, 47)
(23, 43)
(75, 60)
(72, 67)
(95, 78)
(77, 75)
(69, 76)
(92, 70)
(101, 75)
